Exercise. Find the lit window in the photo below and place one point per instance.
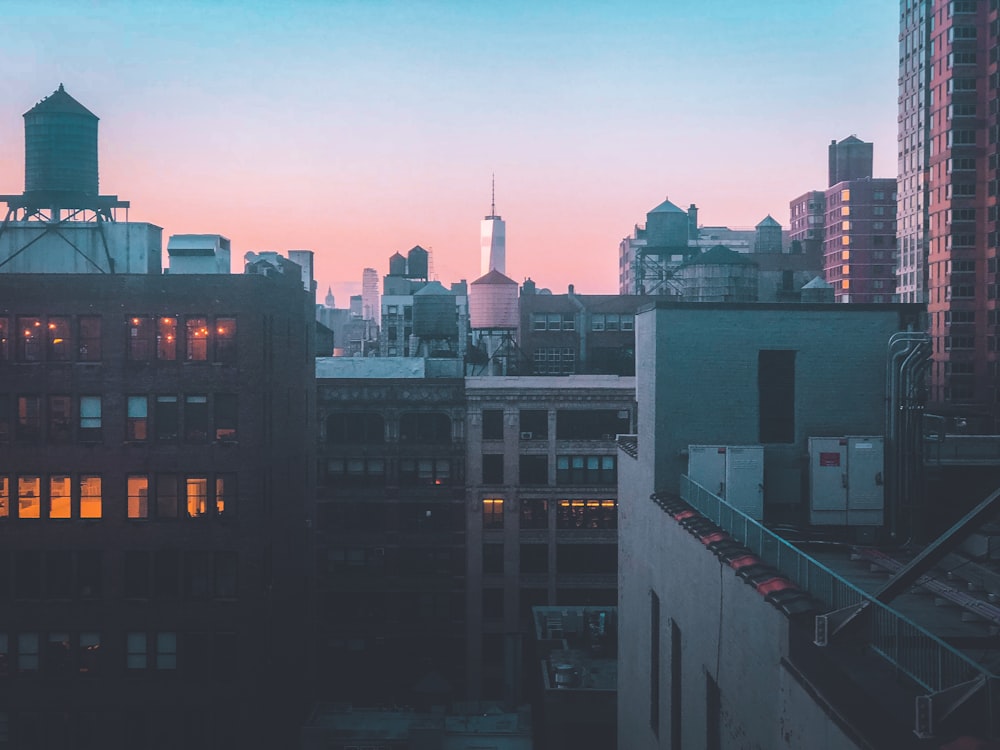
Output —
(845, 255)
(846, 270)
(138, 496)
(845, 195)
(90, 417)
(58, 340)
(197, 496)
(196, 339)
(138, 418)
(136, 651)
(225, 340)
(29, 339)
(845, 226)
(4, 497)
(845, 210)
(140, 339)
(845, 284)
(90, 497)
(225, 495)
(60, 497)
(28, 497)
(845, 240)
(166, 338)
(493, 513)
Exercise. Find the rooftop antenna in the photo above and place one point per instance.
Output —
(493, 194)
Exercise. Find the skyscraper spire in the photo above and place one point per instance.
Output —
(493, 236)
(493, 194)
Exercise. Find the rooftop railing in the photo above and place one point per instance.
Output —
(925, 658)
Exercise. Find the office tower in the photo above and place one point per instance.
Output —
(947, 191)
(493, 241)
(370, 308)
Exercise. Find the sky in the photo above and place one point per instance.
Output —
(358, 129)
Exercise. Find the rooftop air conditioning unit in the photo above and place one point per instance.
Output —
(527, 435)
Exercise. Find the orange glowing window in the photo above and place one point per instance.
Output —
(845, 226)
(91, 501)
(845, 240)
(138, 496)
(845, 195)
(4, 497)
(845, 210)
(28, 497)
(845, 284)
(197, 496)
(166, 338)
(60, 500)
(196, 334)
(845, 255)
(846, 270)
(493, 513)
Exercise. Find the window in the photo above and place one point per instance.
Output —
(165, 580)
(135, 651)
(493, 559)
(29, 339)
(776, 395)
(29, 417)
(534, 558)
(89, 574)
(533, 469)
(60, 423)
(586, 470)
(226, 415)
(534, 424)
(424, 471)
(493, 513)
(196, 339)
(58, 340)
(29, 501)
(90, 418)
(196, 496)
(137, 419)
(4, 339)
(225, 495)
(60, 497)
(226, 567)
(355, 428)
(59, 574)
(166, 496)
(225, 340)
(141, 333)
(166, 650)
(420, 427)
(676, 691)
(493, 468)
(591, 424)
(138, 496)
(4, 497)
(845, 196)
(166, 339)
(197, 575)
(534, 514)
(492, 424)
(89, 338)
(89, 652)
(27, 652)
(586, 514)
(196, 419)
(367, 471)
(4, 416)
(166, 421)
(90, 497)
(135, 575)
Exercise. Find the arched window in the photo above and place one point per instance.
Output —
(424, 427)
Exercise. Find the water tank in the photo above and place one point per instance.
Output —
(416, 263)
(60, 146)
(434, 312)
(768, 236)
(667, 226)
(397, 265)
(719, 275)
(493, 302)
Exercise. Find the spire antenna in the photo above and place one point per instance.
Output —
(493, 194)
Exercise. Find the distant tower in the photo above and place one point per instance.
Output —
(851, 159)
(370, 305)
(330, 302)
(493, 239)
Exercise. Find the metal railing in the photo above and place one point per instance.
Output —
(925, 658)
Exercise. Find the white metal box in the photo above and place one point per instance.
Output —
(846, 481)
(733, 472)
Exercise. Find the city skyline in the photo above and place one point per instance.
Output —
(358, 130)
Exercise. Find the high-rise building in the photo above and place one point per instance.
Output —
(947, 205)
(850, 159)
(493, 241)
(370, 309)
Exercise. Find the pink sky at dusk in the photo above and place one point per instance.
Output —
(359, 129)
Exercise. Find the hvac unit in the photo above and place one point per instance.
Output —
(846, 481)
(733, 472)
(527, 435)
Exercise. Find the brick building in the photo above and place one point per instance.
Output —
(156, 475)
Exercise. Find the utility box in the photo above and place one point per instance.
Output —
(846, 486)
(733, 472)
